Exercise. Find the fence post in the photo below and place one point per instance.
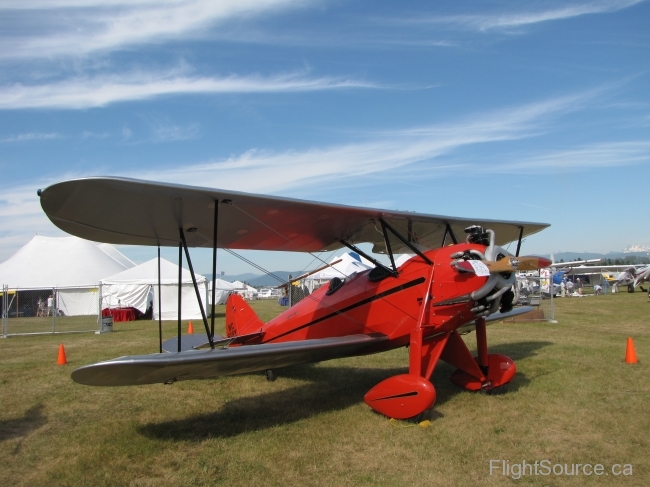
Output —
(289, 289)
(552, 320)
(5, 290)
(52, 309)
(99, 309)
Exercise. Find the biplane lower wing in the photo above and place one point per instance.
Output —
(494, 317)
(199, 364)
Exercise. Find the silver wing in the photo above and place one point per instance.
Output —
(198, 364)
(132, 212)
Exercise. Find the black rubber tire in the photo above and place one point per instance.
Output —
(270, 375)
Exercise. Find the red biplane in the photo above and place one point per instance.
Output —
(447, 288)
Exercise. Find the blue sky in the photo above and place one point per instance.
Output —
(536, 111)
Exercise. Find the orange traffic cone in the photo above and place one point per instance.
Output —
(61, 360)
(190, 329)
(630, 353)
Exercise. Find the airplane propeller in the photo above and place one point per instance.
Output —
(506, 264)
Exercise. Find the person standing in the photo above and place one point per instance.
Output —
(579, 286)
(569, 288)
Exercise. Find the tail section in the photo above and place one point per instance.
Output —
(240, 317)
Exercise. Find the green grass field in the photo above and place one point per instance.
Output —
(572, 401)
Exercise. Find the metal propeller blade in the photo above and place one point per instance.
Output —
(513, 264)
(507, 264)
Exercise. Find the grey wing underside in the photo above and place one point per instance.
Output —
(199, 364)
(132, 212)
(494, 317)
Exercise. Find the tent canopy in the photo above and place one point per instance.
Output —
(147, 273)
(350, 262)
(222, 285)
(138, 287)
(47, 262)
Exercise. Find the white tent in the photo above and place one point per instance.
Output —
(222, 290)
(47, 262)
(77, 265)
(138, 287)
(402, 259)
(248, 292)
(350, 263)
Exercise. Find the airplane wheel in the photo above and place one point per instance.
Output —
(630, 288)
(270, 376)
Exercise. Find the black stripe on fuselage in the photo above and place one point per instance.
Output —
(388, 292)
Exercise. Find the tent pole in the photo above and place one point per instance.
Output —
(180, 270)
(214, 264)
(159, 305)
(196, 288)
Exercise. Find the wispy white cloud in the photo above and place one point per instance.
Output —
(87, 134)
(410, 156)
(28, 137)
(22, 218)
(78, 28)
(169, 132)
(605, 154)
(391, 152)
(79, 93)
(512, 20)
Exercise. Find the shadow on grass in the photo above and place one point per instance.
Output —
(330, 388)
(16, 428)
(519, 350)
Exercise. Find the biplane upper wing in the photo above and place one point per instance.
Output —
(133, 212)
(203, 364)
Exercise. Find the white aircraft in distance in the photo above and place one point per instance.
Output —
(631, 277)
(642, 275)
(616, 275)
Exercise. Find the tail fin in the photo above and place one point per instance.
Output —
(240, 317)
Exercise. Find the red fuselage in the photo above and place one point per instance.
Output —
(391, 307)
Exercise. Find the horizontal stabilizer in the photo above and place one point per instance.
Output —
(199, 364)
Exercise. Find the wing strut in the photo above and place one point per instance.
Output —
(405, 242)
(214, 266)
(196, 288)
(180, 277)
(356, 249)
(521, 234)
(159, 304)
(450, 232)
(389, 250)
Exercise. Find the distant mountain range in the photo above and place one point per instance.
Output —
(636, 248)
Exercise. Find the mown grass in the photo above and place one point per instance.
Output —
(573, 400)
